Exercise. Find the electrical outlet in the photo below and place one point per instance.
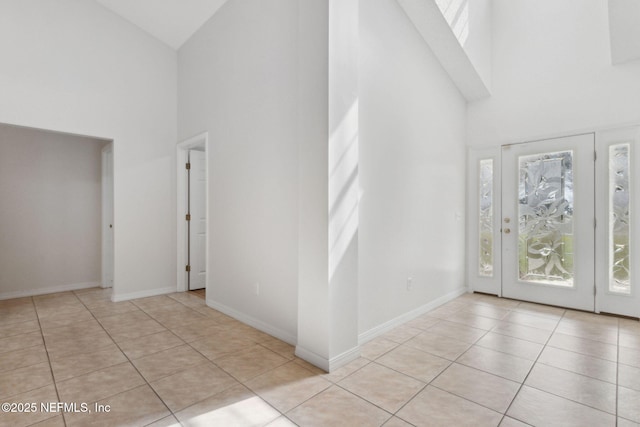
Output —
(257, 288)
(409, 283)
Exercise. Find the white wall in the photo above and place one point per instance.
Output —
(72, 66)
(552, 74)
(412, 162)
(478, 45)
(238, 81)
(50, 215)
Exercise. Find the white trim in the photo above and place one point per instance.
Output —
(328, 365)
(107, 205)
(199, 140)
(387, 326)
(313, 358)
(344, 358)
(48, 290)
(510, 140)
(252, 321)
(142, 294)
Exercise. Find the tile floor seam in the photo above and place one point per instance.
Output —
(426, 385)
(159, 351)
(511, 336)
(467, 399)
(208, 361)
(284, 414)
(529, 326)
(531, 368)
(571, 400)
(582, 354)
(586, 338)
(581, 374)
(219, 392)
(131, 363)
(504, 352)
(23, 349)
(492, 373)
(391, 414)
(255, 376)
(53, 378)
(473, 343)
(404, 373)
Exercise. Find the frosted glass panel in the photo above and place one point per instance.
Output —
(619, 227)
(486, 219)
(545, 218)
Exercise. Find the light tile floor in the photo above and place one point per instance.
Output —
(170, 360)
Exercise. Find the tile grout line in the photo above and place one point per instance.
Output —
(208, 360)
(533, 366)
(53, 378)
(130, 362)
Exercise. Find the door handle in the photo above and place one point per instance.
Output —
(507, 230)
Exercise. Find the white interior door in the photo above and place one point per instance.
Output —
(107, 216)
(548, 222)
(198, 222)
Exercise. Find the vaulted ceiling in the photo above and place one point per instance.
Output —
(174, 21)
(171, 21)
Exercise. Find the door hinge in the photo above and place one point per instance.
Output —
(188, 217)
(595, 223)
(188, 166)
(595, 156)
(188, 268)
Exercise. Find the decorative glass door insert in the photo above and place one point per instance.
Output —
(545, 218)
(619, 219)
(485, 225)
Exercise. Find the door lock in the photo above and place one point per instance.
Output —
(507, 220)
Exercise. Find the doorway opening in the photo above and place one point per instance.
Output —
(52, 185)
(192, 214)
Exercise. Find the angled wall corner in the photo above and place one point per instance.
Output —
(446, 27)
(624, 30)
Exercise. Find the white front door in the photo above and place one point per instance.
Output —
(198, 222)
(548, 220)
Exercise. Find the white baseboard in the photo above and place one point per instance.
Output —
(252, 321)
(48, 290)
(328, 365)
(142, 294)
(387, 326)
(344, 358)
(313, 358)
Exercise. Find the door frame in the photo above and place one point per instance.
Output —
(182, 153)
(476, 283)
(581, 295)
(107, 215)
